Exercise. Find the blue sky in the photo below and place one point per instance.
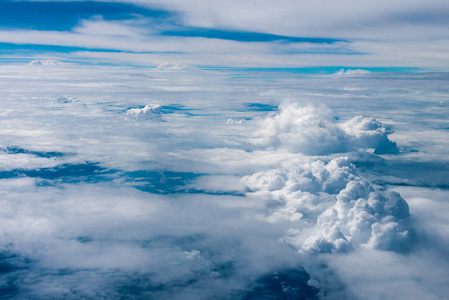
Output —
(60, 15)
(288, 34)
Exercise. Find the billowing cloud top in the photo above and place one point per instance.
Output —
(314, 131)
(336, 209)
(150, 111)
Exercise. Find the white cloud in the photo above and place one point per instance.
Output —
(358, 72)
(218, 184)
(10, 162)
(100, 27)
(313, 131)
(342, 210)
(235, 122)
(414, 276)
(46, 62)
(370, 133)
(149, 112)
(309, 130)
(165, 66)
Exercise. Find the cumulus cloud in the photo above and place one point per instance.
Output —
(350, 72)
(235, 122)
(149, 112)
(367, 132)
(167, 66)
(309, 130)
(313, 130)
(45, 62)
(342, 210)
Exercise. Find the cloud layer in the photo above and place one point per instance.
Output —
(296, 201)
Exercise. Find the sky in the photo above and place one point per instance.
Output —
(224, 150)
(287, 33)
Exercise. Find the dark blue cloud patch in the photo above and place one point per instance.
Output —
(12, 267)
(86, 172)
(9, 263)
(175, 108)
(413, 173)
(160, 181)
(260, 107)
(67, 170)
(288, 284)
(18, 150)
(32, 48)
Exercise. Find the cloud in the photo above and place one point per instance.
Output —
(160, 48)
(149, 112)
(291, 18)
(309, 130)
(74, 229)
(149, 49)
(218, 184)
(130, 242)
(45, 62)
(342, 210)
(370, 133)
(358, 72)
(235, 122)
(313, 131)
(166, 66)
(134, 35)
(99, 27)
(66, 99)
(15, 161)
(368, 269)
(388, 36)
